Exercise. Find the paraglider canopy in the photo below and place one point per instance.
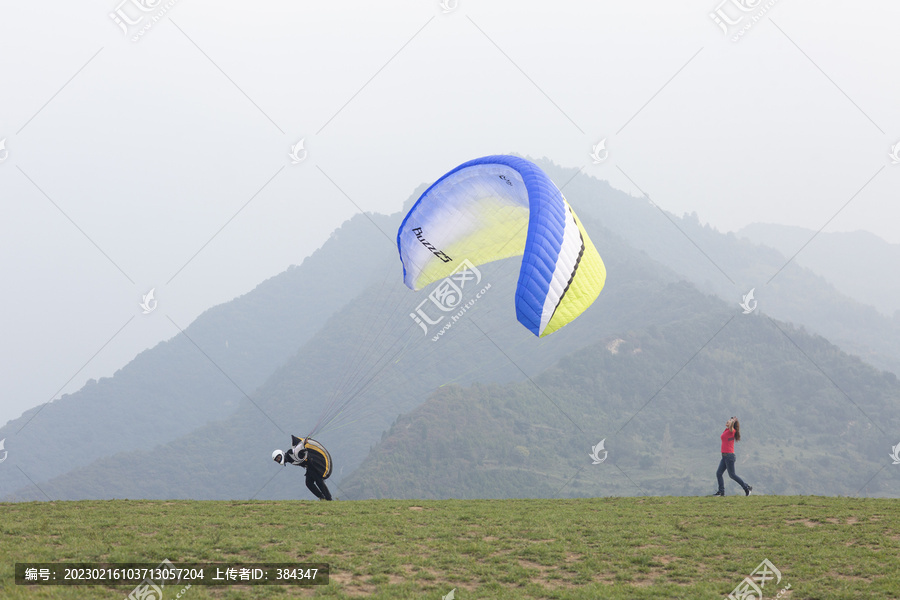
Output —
(497, 207)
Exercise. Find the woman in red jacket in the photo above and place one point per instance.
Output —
(731, 435)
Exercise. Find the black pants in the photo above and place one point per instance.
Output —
(316, 484)
(727, 462)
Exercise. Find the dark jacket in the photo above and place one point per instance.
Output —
(305, 457)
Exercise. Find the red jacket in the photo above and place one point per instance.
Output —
(728, 441)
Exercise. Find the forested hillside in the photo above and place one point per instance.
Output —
(659, 397)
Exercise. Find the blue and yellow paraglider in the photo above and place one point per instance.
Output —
(498, 207)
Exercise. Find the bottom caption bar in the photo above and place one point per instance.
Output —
(157, 576)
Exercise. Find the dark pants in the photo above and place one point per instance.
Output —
(316, 484)
(727, 462)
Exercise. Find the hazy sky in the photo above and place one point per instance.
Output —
(164, 162)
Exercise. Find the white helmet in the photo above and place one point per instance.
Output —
(278, 456)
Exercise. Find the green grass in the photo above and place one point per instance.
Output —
(618, 548)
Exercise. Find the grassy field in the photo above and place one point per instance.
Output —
(619, 548)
